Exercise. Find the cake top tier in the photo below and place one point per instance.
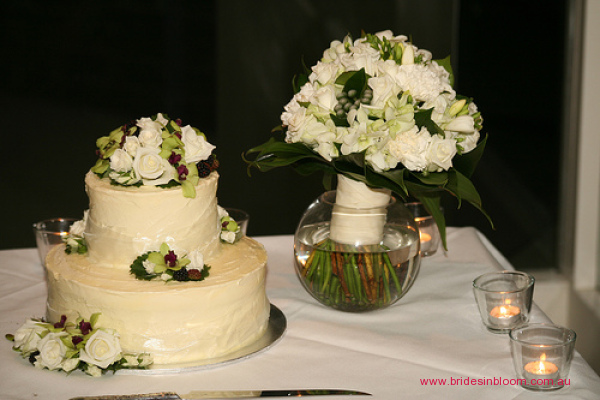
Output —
(155, 151)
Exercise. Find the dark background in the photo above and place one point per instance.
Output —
(71, 73)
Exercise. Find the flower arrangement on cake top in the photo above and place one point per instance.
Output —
(68, 346)
(380, 111)
(155, 151)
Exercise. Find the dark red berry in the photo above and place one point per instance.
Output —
(195, 275)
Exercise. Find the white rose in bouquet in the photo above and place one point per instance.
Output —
(324, 73)
(440, 154)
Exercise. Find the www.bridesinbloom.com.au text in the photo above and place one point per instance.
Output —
(465, 381)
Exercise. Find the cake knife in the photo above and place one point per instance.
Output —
(230, 394)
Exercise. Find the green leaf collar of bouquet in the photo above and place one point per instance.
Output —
(155, 151)
(381, 111)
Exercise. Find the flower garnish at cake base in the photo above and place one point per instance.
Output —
(155, 151)
(74, 345)
(382, 116)
(166, 265)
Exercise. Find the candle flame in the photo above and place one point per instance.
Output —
(541, 367)
(425, 237)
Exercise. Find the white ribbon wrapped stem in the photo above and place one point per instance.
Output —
(359, 213)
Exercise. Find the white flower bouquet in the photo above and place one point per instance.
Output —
(68, 346)
(381, 112)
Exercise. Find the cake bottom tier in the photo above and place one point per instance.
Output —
(176, 322)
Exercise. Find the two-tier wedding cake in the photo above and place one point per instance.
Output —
(155, 256)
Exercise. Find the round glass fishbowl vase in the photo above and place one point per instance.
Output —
(370, 265)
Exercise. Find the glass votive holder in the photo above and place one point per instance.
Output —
(542, 355)
(428, 230)
(49, 233)
(504, 299)
(240, 216)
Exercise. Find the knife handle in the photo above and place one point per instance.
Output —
(148, 396)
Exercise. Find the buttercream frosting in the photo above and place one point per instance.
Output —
(124, 222)
(176, 322)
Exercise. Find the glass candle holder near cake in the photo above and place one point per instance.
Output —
(542, 355)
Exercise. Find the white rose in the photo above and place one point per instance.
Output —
(308, 131)
(27, 336)
(469, 141)
(131, 145)
(383, 89)
(331, 54)
(93, 371)
(324, 73)
(78, 227)
(440, 153)
(196, 146)
(149, 165)
(69, 364)
(102, 349)
(228, 236)
(150, 133)
(197, 260)
(440, 105)
(130, 360)
(325, 99)
(306, 92)
(121, 161)
(52, 351)
(145, 359)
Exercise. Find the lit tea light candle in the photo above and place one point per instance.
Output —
(544, 372)
(424, 237)
(505, 316)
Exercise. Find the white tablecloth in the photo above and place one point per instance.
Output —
(434, 332)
